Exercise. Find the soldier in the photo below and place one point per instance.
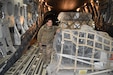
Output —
(45, 39)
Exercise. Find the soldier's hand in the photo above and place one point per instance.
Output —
(40, 44)
(58, 30)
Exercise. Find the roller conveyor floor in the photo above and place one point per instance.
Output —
(30, 63)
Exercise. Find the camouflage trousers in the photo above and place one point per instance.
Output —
(47, 51)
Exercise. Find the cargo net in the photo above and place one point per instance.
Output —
(83, 49)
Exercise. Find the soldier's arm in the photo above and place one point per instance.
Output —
(57, 28)
(40, 35)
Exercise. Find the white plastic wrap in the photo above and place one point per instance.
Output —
(80, 48)
(85, 49)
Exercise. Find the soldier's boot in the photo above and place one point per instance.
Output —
(45, 61)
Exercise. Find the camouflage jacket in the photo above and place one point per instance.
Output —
(46, 34)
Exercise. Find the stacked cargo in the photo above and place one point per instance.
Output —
(81, 51)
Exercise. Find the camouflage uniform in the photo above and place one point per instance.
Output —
(45, 37)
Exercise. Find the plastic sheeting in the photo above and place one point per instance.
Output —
(79, 47)
(84, 48)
